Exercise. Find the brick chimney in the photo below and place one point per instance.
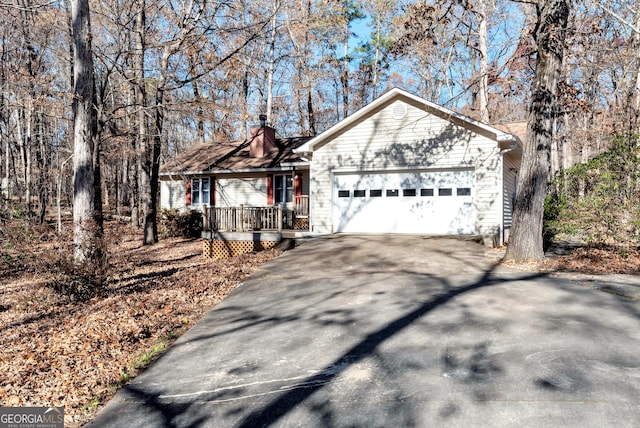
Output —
(263, 139)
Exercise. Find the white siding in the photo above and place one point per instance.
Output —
(230, 190)
(172, 194)
(511, 167)
(241, 190)
(419, 140)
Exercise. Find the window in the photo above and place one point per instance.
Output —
(282, 189)
(200, 190)
(463, 191)
(392, 193)
(426, 192)
(445, 192)
(375, 193)
(343, 193)
(359, 193)
(408, 192)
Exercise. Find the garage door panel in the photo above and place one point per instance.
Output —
(415, 202)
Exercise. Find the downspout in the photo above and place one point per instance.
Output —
(511, 148)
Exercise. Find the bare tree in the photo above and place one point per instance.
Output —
(525, 242)
(145, 158)
(350, 12)
(271, 60)
(86, 229)
(483, 78)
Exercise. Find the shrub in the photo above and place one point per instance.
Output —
(81, 281)
(600, 199)
(78, 282)
(176, 224)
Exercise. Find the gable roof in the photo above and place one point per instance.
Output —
(232, 157)
(399, 94)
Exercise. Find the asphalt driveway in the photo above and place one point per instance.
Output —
(372, 331)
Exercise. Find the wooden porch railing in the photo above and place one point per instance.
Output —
(242, 219)
(301, 206)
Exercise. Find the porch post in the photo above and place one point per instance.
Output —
(279, 217)
(205, 220)
(297, 189)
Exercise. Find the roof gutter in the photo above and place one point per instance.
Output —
(289, 166)
(508, 138)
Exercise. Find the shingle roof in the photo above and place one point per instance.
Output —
(519, 129)
(232, 156)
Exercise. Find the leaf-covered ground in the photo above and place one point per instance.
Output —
(596, 261)
(58, 350)
(592, 260)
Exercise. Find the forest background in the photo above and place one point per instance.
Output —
(170, 74)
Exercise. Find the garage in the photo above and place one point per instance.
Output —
(422, 202)
(402, 164)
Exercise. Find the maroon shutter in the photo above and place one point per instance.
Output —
(188, 192)
(270, 189)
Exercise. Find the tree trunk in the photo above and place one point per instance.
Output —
(6, 185)
(43, 169)
(151, 194)
(59, 192)
(554, 166)
(272, 60)
(26, 149)
(245, 61)
(304, 88)
(84, 210)
(376, 60)
(199, 111)
(97, 177)
(3, 123)
(483, 83)
(310, 114)
(525, 242)
(245, 104)
(633, 97)
(5, 193)
(144, 150)
(128, 160)
(344, 74)
(151, 217)
(134, 195)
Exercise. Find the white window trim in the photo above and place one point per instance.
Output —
(200, 180)
(283, 191)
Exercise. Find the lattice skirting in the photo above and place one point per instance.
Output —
(219, 249)
(301, 224)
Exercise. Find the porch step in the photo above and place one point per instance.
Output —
(297, 234)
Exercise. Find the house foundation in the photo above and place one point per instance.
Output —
(221, 245)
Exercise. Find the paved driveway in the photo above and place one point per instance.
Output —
(370, 331)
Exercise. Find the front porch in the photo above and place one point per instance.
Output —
(249, 219)
(230, 231)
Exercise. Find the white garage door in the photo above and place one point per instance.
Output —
(435, 202)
